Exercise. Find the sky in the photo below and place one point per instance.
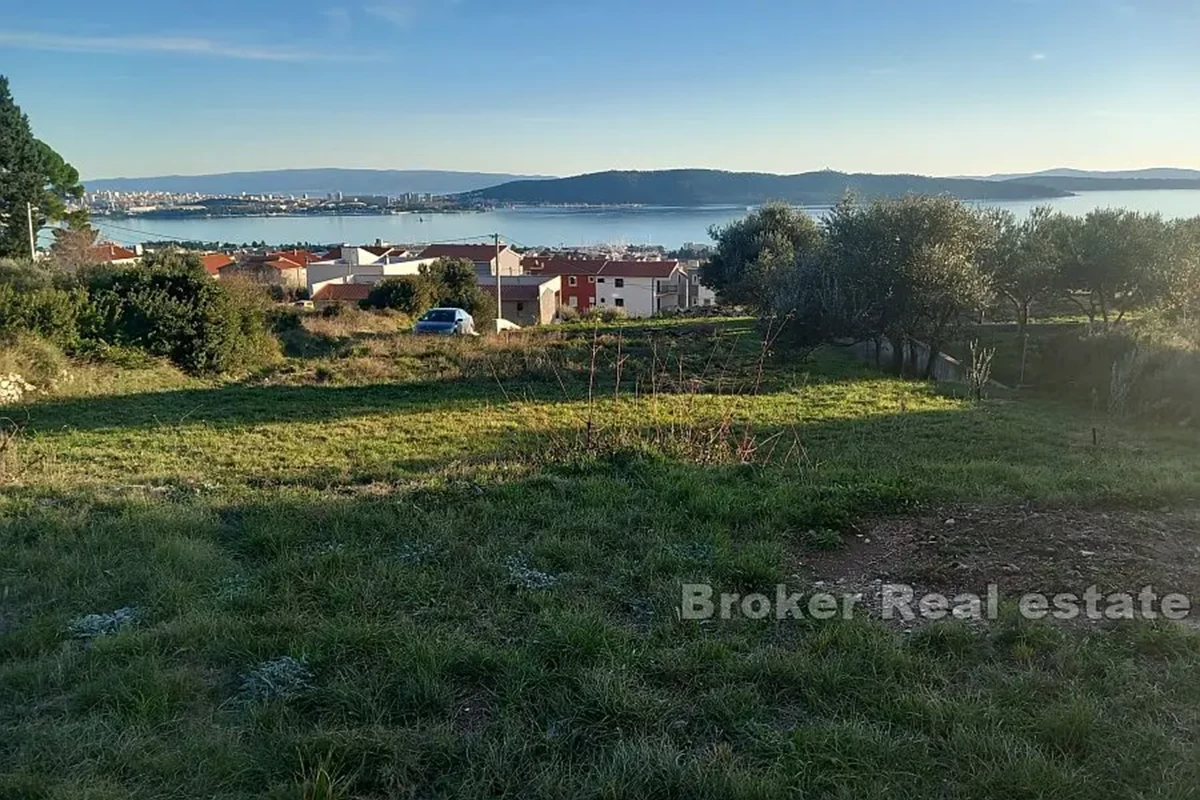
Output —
(559, 87)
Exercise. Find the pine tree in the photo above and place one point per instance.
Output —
(22, 178)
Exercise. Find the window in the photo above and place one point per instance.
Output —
(573, 301)
(603, 301)
(599, 280)
(572, 280)
(619, 283)
(619, 302)
(520, 306)
(591, 278)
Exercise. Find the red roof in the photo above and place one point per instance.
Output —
(298, 256)
(214, 262)
(563, 266)
(591, 266)
(343, 292)
(110, 252)
(471, 252)
(280, 263)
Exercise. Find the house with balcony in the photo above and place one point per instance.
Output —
(637, 288)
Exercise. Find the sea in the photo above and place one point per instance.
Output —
(548, 227)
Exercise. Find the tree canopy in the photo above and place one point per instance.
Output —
(753, 252)
(32, 173)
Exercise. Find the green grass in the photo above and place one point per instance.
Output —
(382, 513)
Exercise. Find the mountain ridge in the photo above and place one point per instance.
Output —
(1149, 173)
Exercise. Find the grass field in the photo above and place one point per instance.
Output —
(407, 568)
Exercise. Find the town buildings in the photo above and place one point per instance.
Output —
(535, 288)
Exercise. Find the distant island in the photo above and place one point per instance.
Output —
(704, 187)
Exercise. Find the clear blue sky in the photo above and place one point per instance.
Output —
(143, 87)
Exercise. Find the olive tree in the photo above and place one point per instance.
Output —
(904, 269)
(1110, 261)
(1020, 258)
(753, 253)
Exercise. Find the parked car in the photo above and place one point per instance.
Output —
(446, 322)
(306, 305)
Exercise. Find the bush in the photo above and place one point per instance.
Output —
(170, 307)
(412, 294)
(282, 319)
(24, 275)
(1146, 375)
(568, 314)
(480, 304)
(52, 314)
(604, 314)
(332, 310)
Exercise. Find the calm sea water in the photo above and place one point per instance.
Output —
(670, 227)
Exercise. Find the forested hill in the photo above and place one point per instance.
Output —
(696, 187)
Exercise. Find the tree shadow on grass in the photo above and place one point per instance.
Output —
(235, 406)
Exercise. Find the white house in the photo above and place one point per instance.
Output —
(695, 293)
(361, 265)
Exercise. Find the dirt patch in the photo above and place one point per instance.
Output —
(472, 715)
(960, 549)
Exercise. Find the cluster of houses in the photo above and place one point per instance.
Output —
(534, 287)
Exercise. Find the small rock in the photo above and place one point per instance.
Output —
(90, 626)
(281, 678)
(950, 521)
(1087, 552)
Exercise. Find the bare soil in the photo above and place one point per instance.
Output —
(959, 549)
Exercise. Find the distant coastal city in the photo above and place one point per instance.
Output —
(184, 205)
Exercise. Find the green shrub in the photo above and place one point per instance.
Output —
(1129, 373)
(412, 294)
(24, 274)
(568, 314)
(604, 314)
(282, 319)
(332, 310)
(170, 307)
(480, 304)
(50, 313)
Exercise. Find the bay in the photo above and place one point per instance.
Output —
(558, 227)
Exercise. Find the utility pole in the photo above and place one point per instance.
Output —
(32, 238)
(499, 307)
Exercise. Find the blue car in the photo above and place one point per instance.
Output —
(446, 322)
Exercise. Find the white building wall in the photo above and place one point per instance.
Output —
(639, 297)
(321, 272)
